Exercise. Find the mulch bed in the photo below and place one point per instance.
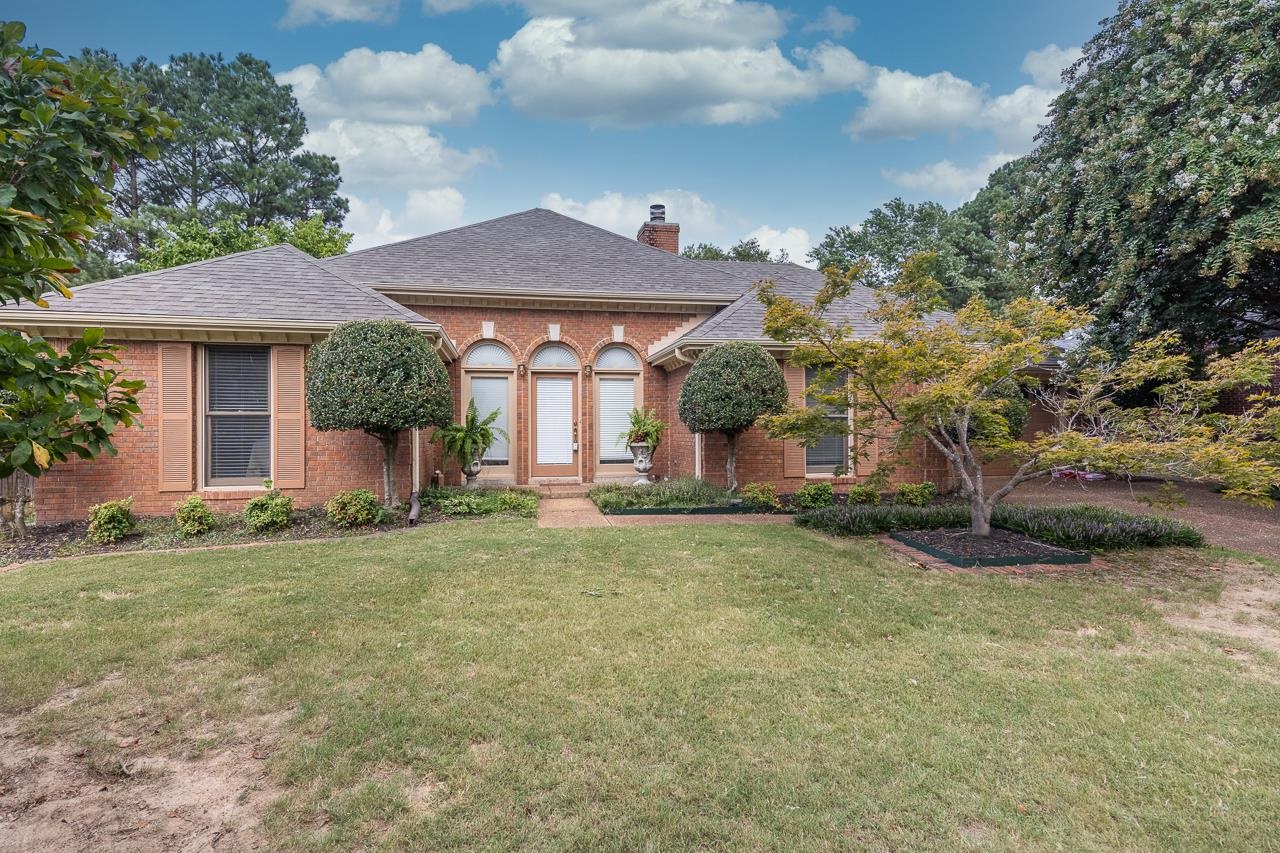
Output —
(1002, 548)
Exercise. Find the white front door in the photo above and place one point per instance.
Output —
(555, 426)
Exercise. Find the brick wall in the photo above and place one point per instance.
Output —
(335, 461)
(524, 330)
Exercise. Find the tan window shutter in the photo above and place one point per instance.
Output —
(864, 466)
(792, 451)
(288, 418)
(177, 418)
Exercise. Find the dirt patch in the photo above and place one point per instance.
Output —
(1248, 609)
(100, 792)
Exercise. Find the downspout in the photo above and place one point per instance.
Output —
(417, 463)
(697, 455)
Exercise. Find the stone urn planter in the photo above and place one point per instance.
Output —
(642, 459)
(472, 471)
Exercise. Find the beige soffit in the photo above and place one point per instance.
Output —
(179, 328)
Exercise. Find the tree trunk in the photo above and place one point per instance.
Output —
(389, 443)
(979, 517)
(731, 462)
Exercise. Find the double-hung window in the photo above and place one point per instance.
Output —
(237, 415)
(831, 451)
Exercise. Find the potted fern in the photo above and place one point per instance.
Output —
(467, 442)
(643, 437)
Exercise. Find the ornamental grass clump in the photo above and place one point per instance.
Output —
(682, 493)
(868, 520)
(1093, 528)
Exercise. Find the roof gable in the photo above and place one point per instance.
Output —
(535, 251)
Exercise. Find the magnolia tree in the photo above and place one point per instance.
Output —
(727, 390)
(959, 383)
(382, 377)
(66, 127)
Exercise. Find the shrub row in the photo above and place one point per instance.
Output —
(1078, 526)
(676, 494)
(481, 502)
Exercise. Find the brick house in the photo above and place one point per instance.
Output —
(562, 326)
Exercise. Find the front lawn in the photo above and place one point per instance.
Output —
(493, 685)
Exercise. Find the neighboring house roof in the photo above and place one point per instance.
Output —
(537, 252)
(279, 287)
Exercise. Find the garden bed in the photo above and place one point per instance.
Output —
(161, 533)
(714, 509)
(959, 547)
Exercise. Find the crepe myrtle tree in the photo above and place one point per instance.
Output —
(727, 390)
(954, 381)
(379, 376)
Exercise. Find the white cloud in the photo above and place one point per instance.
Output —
(669, 25)
(391, 86)
(546, 70)
(902, 105)
(1046, 64)
(302, 12)
(796, 242)
(423, 212)
(374, 154)
(832, 21)
(946, 179)
(624, 214)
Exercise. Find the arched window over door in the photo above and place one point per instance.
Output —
(488, 379)
(618, 379)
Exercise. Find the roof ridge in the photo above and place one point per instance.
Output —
(363, 289)
(433, 234)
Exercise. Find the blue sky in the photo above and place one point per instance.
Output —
(746, 118)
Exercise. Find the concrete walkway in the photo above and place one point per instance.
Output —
(580, 512)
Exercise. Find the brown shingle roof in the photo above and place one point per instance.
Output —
(275, 283)
(537, 250)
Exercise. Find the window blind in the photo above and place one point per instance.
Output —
(239, 414)
(831, 450)
(617, 399)
(490, 394)
(555, 421)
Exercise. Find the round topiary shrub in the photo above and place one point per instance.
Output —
(193, 516)
(356, 508)
(728, 388)
(268, 512)
(379, 376)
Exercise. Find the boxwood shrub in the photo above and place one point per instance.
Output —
(762, 495)
(1078, 526)
(355, 508)
(814, 496)
(111, 521)
(193, 517)
(268, 512)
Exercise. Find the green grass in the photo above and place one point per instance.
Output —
(720, 687)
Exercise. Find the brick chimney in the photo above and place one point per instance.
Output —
(659, 232)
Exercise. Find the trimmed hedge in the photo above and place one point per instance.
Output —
(1081, 527)
(682, 493)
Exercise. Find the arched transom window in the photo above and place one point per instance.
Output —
(554, 356)
(617, 371)
(489, 355)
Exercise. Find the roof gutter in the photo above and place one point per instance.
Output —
(686, 350)
(649, 298)
(186, 328)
